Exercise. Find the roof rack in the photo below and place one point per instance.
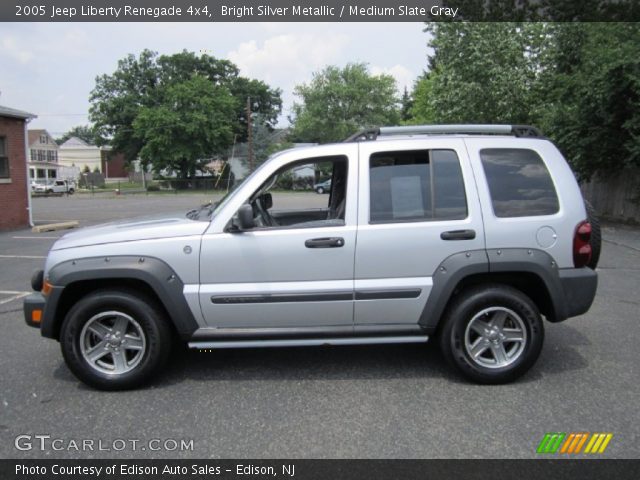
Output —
(515, 130)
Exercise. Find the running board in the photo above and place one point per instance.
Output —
(307, 342)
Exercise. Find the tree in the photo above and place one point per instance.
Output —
(192, 120)
(422, 110)
(590, 100)
(406, 105)
(479, 73)
(142, 84)
(266, 141)
(340, 101)
(83, 132)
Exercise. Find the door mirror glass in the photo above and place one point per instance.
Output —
(267, 200)
(245, 217)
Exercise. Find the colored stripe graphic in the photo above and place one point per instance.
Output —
(572, 443)
(550, 442)
(598, 443)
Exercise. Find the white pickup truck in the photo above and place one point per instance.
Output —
(55, 187)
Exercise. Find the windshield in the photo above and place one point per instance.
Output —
(209, 210)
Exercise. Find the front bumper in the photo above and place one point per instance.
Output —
(34, 309)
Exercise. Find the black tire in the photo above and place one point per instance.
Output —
(149, 325)
(71, 191)
(596, 235)
(458, 335)
(320, 190)
(49, 191)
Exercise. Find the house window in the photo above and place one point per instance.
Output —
(43, 139)
(34, 155)
(50, 156)
(42, 157)
(4, 158)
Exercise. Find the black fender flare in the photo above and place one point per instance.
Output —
(455, 268)
(155, 273)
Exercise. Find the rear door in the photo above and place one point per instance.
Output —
(417, 206)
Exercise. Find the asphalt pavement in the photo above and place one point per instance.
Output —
(327, 402)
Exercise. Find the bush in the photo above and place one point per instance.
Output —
(153, 188)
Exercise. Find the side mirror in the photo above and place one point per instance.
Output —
(245, 217)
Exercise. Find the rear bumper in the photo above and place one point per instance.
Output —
(34, 309)
(579, 286)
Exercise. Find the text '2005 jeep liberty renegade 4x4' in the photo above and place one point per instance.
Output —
(467, 233)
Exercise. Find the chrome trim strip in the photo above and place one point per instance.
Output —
(308, 342)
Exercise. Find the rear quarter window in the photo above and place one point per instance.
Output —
(519, 183)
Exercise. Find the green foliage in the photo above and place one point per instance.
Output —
(590, 104)
(192, 120)
(406, 104)
(422, 111)
(266, 141)
(83, 132)
(340, 101)
(480, 73)
(145, 84)
(580, 82)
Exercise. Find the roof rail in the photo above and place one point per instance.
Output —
(515, 130)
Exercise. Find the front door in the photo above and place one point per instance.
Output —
(295, 268)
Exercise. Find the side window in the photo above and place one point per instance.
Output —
(416, 186)
(519, 183)
(303, 194)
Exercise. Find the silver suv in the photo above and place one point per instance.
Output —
(469, 234)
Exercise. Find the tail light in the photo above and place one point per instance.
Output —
(582, 244)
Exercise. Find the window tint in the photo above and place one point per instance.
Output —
(519, 183)
(416, 186)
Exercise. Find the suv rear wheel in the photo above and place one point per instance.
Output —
(115, 339)
(492, 334)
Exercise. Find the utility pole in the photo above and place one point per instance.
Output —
(249, 136)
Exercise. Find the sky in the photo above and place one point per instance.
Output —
(49, 69)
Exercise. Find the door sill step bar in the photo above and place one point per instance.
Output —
(307, 342)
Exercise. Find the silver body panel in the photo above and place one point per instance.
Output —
(408, 250)
(276, 261)
(312, 342)
(267, 278)
(521, 232)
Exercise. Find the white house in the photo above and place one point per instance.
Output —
(77, 153)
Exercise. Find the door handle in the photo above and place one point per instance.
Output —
(458, 235)
(328, 242)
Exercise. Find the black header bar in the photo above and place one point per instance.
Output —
(318, 10)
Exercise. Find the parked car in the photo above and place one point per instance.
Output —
(55, 187)
(323, 187)
(468, 234)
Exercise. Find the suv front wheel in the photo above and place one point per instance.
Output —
(492, 334)
(115, 340)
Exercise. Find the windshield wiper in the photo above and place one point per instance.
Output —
(195, 213)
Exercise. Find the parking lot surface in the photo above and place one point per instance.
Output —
(329, 402)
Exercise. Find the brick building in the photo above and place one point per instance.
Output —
(14, 194)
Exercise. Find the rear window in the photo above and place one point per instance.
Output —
(519, 183)
(418, 185)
